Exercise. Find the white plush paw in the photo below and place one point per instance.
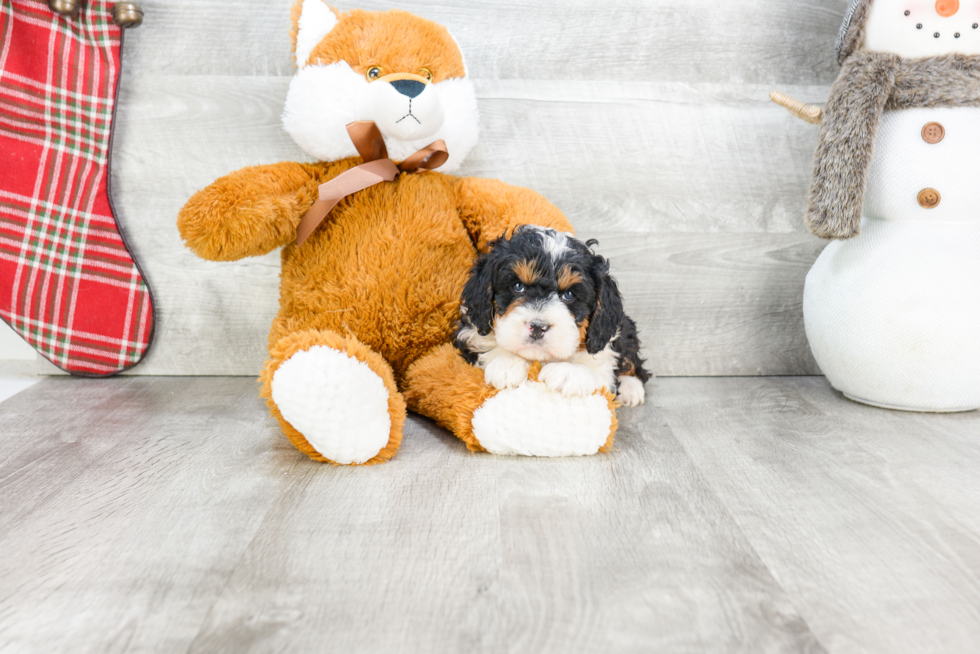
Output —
(506, 370)
(570, 379)
(631, 392)
(338, 403)
(533, 421)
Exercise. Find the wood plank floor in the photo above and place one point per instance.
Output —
(735, 515)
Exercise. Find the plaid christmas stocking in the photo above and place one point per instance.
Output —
(68, 283)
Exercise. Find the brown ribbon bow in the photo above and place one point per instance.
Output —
(377, 168)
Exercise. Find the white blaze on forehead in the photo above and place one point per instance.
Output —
(553, 242)
(315, 22)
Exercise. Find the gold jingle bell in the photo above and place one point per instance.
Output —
(127, 14)
(65, 7)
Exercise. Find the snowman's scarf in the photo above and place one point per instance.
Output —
(869, 84)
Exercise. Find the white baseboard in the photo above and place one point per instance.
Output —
(16, 375)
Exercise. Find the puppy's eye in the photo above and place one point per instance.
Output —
(518, 287)
(426, 73)
(373, 73)
(567, 296)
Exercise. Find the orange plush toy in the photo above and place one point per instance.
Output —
(370, 289)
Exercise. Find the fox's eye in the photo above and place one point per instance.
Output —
(373, 73)
(426, 73)
(567, 296)
(518, 287)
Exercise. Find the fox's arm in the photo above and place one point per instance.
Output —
(254, 210)
(490, 209)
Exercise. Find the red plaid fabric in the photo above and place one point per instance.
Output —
(68, 284)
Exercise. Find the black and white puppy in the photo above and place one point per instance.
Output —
(542, 295)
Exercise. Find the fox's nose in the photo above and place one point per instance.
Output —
(538, 328)
(408, 87)
(947, 8)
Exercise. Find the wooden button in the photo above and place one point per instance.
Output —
(929, 198)
(933, 133)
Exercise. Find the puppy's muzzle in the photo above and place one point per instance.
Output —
(538, 329)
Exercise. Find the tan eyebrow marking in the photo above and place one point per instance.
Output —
(526, 271)
(568, 278)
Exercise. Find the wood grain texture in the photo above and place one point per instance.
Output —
(869, 518)
(713, 292)
(738, 41)
(170, 514)
(134, 499)
(646, 123)
(734, 515)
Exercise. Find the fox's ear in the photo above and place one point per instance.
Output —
(312, 20)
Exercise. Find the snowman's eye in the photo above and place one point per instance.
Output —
(936, 35)
(975, 25)
(373, 73)
(907, 12)
(919, 26)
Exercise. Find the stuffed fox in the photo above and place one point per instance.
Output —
(369, 302)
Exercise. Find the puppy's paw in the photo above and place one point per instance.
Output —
(506, 371)
(570, 379)
(631, 392)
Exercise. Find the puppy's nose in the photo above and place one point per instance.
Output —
(408, 87)
(538, 328)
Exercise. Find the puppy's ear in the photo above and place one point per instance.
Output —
(608, 314)
(477, 304)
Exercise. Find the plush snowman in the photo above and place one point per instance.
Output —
(893, 315)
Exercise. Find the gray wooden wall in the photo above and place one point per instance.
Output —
(646, 121)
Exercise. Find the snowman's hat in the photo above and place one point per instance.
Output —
(852, 30)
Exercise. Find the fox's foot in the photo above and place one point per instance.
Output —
(335, 398)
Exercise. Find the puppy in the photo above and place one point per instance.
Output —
(542, 295)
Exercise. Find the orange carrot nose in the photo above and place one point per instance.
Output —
(947, 8)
